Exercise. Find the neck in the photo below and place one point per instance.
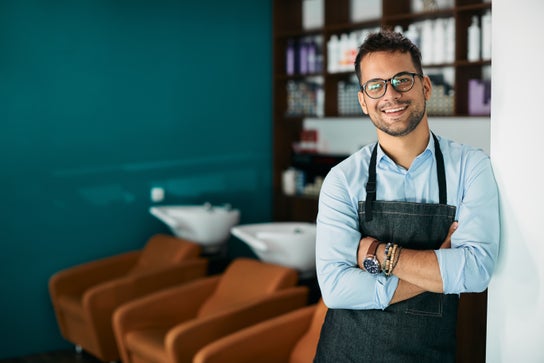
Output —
(404, 149)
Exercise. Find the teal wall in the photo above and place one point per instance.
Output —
(99, 101)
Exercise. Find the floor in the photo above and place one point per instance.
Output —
(61, 356)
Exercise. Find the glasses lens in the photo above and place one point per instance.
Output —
(375, 89)
(403, 82)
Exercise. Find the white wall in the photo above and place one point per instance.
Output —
(516, 293)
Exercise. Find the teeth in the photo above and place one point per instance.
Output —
(394, 110)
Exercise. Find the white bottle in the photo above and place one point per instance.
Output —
(288, 181)
(427, 41)
(333, 46)
(413, 34)
(352, 51)
(486, 36)
(450, 40)
(320, 102)
(344, 52)
(439, 41)
(474, 41)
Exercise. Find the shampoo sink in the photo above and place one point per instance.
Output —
(290, 244)
(206, 225)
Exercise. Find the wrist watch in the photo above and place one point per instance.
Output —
(371, 263)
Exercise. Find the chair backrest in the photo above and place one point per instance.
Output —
(163, 250)
(245, 280)
(304, 350)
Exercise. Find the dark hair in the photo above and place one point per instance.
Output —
(387, 41)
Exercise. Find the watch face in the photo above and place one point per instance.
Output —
(371, 265)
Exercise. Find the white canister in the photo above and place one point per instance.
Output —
(288, 180)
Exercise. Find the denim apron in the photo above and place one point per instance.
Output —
(420, 329)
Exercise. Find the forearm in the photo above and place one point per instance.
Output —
(405, 291)
(417, 271)
(419, 268)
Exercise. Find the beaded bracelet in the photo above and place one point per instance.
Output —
(396, 260)
(387, 254)
(389, 261)
(392, 254)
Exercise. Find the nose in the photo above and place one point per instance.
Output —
(391, 92)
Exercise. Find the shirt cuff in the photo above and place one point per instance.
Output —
(385, 288)
(451, 262)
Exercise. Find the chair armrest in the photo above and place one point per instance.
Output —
(78, 278)
(270, 341)
(167, 276)
(186, 339)
(165, 307)
(101, 300)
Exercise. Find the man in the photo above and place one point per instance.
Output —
(404, 225)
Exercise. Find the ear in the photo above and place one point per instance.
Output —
(361, 98)
(427, 88)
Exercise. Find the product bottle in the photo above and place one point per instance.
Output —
(289, 181)
(439, 41)
(486, 36)
(413, 34)
(427, 40)
(312, 56)
(474, 40)
(344, 52)
(353, 48)
(290, 58)
(333, 46)
(450, 40)
(303, 57)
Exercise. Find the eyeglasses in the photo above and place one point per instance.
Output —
(401, 82)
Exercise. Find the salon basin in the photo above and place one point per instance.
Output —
(206, 225)
(290, 244)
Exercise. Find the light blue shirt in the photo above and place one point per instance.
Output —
(471, 187)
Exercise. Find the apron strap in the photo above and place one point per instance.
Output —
(371, 183)
(440, 171)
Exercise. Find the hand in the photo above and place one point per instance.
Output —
(447, 241)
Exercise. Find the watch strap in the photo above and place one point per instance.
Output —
(373, 248)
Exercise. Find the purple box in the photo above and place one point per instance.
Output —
(479, 97)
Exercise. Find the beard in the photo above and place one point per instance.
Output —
(413, 121)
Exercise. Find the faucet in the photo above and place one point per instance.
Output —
(208, 207)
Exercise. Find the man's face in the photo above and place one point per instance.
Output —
(395, 113)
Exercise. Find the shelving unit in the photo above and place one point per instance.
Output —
(288, 27)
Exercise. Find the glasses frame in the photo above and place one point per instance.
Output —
(385, 81)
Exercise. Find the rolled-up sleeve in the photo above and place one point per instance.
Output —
(344, 285)
(469, 264)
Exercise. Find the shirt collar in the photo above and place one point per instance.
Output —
(428, 152)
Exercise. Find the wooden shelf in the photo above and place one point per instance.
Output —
(288, 25)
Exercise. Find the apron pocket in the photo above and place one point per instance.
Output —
(427, 304)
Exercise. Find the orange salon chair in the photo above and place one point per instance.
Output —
(85, 296)
(172, 325)
(289, 338)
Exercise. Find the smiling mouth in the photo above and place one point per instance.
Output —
(395, 109)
